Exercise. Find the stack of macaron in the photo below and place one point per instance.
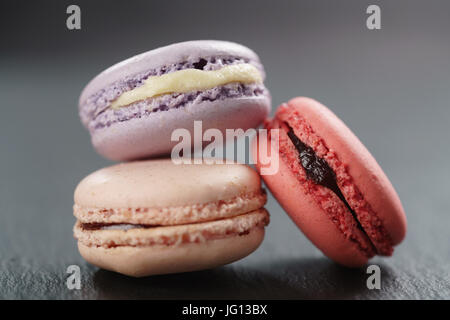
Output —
(149, 215)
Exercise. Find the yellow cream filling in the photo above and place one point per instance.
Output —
(189, 80)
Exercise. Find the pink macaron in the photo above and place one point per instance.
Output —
(330, 185)
(132, 108)
(155, 217)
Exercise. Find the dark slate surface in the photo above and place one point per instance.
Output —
(389, 86)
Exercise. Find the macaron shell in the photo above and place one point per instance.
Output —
(145, 261)
(151, 135)
(171, 54)
(161, 183)
(309, 216)
(362, 167)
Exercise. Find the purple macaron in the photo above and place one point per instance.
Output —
(132, 108)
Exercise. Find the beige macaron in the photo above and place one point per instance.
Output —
(156, 217)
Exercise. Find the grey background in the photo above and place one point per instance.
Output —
(390, 86)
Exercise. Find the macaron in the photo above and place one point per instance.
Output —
(330, 185)
(132, 108)
(155, 217)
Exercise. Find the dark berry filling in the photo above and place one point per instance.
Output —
(318, 170)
